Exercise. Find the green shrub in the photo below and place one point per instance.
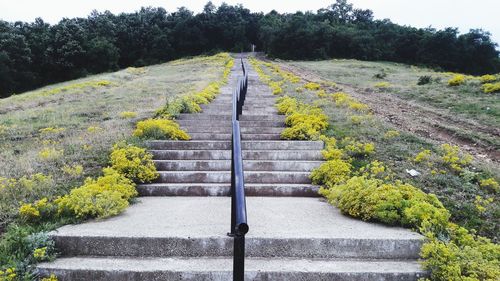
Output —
(133, 162)
(20, 248)
(423, 80)
(160, 129)
(380, 75)
(106, 196)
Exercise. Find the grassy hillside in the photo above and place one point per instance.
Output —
(376, 172)
(463, 114)
(54, 137)
(363, 117)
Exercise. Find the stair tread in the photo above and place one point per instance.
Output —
(224, 264)
(207, 217)
(228, 184)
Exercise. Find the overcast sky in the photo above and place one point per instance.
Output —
(464, 14)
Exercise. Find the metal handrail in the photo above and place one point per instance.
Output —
(239, 226)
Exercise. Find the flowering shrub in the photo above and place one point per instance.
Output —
(286, 105)
(276, 87)
(390, 134)
(3, 129)
(489, 88)
(76, 86)
(160, 129)
(103, 197)
(51, 130)
(488, 78)
(361, 107)
(331, 173)
(456, 80)
(190, 103)
(50, 153)
(128, 114)
(136, 70)
(306, 123)
(74, 171)
(423, 156)
(462, 256)
(331, 151)
(391, 203)
(490, 183)
(341, 98)
(358, 149)
(94, 129)
(8, 275)
(356, 119)
(451, 156)
(133, 162)
(382, 85)
(312, 86)
(29, 188)
(41, 209)
(40, 254)
(52, 277)
(321, 94)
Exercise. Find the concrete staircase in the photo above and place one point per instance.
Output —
(177, 230)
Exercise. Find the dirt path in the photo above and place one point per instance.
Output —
(428, 122)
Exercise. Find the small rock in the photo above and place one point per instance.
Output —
(413, 172)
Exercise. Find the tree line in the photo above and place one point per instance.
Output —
(37, 53)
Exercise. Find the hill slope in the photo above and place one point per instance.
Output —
(65, 131)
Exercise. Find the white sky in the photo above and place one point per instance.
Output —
(464, 14)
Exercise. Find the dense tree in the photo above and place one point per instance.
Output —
(34, 54)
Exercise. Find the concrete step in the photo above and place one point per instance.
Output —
(243, 123)
(248, 101)
(227, 136)
(263, 111)
(225, 177)
(219, 269)
(221, 189)
(304, 155)
(252, 97)
(227, 129)
(227, 116)
(292, 227)
(246, 145)
(225, 165)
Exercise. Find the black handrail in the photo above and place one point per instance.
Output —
(239, 226)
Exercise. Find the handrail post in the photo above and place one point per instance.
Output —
(239, 258)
